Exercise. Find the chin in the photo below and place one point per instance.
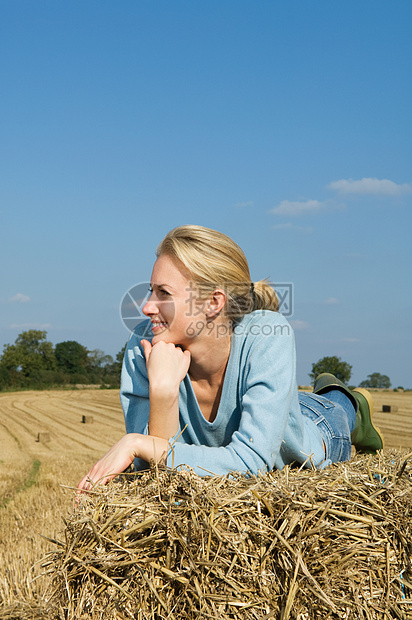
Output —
(162, 337)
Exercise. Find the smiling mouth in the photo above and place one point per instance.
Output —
(158, 326)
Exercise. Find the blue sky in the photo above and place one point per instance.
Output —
(286, 125)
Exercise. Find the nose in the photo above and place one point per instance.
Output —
(150, 308)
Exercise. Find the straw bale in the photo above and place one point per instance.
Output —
(43, 437)
(295, 543)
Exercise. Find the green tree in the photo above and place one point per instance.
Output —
(111, 372)
(10, 367)
(98, 359)
(28, 358)
(117, 365)
(37, 353)
(334, 365)
(71, 357)
(98, 365)
(376, 380)
(11, 358)
(5, 379)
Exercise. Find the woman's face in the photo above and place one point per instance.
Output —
(173, 307)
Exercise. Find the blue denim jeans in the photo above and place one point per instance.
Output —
(335, 417)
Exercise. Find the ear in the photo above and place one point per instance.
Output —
(216, 302)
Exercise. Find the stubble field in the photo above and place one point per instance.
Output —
(37, 479)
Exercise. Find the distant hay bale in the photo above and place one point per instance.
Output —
(87, 419)
(389, 408)
(289, 544)
(43, 437)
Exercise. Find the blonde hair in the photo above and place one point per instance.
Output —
(214, 260)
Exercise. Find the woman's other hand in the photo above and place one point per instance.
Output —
(121, 455)
(167, 365)
(114, 462)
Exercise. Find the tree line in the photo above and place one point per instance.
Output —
(32, 362)
(343, 371)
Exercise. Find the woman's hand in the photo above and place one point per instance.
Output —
(121, 455)
(167, 365)
(114, 462)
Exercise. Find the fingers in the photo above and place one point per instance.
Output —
(86, 484)
(167, 366)
(89, 481)
(187, 353)
(114, 462)
(147, 347)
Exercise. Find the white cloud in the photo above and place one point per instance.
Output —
(331, 301)
(350, 340)
(30, 326)
(250, 203)
(292, 208)
(20, 298)
(296, 324)
(382, 187)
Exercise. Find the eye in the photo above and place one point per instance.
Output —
(163, 293)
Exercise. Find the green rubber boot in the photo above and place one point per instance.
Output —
(365, 436)
(326, 381)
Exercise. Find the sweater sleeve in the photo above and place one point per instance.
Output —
(134, 390)
(268, 393)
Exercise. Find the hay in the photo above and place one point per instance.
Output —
(292, 544)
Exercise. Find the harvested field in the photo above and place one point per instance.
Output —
(34, 475)
(397, 425)
(23, 415)
(35, 493)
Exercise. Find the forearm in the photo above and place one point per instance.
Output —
(151, 448)
(164, 414)
(167, 366)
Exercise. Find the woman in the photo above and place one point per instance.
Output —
(208, 380)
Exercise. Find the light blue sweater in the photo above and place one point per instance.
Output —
(259, 425)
